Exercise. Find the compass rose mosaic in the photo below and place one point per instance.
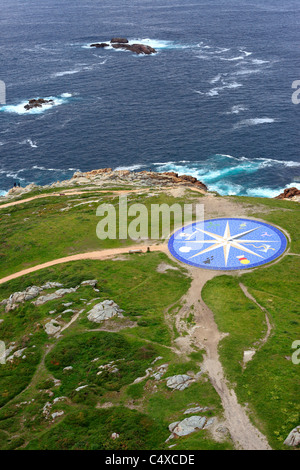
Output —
(227, 244)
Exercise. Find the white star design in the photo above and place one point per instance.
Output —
(227, 241)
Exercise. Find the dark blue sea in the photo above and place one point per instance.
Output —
(214, 102)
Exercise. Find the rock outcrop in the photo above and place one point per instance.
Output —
(37, 103)
(289, 193)
(179, 382)
(196, 409)
(119, 40)
(54, 296)
(104, 311)
(28, 294)
(187, 426)
(161, 370)
(52, 327)
(100, 44)
(136, 48)
(123, 43)
(293, 438)
(104, 176)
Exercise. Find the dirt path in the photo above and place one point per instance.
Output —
(69, 193)
(94, 255)
(207, 336)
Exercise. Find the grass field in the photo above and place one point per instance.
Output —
(36, 384)
(144, 294)
(55, 227)
(270, 384)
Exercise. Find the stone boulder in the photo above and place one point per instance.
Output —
(196, 409)
(119, 40)
(55, 295)
(187, 426)
(104, 311)
(179, 382)
(293, 438)
(28, 294)
(91, 283)
(136, 48)
(52, 327)
(17, 354)
(288, 193)
(20, 297)
(51, 285)
(161, 370)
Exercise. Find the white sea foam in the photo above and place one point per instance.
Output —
(237, 109)
(30, 142)
(59, 170)
(20, 109)
(254, 122)
(67, 72)
(259, 62)
(215, 91)
(233, 59)
(247, 72)
(216, 79)
(245, 52)
(129, 167)
(218, 170)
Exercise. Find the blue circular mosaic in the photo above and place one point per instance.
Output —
(227, 244)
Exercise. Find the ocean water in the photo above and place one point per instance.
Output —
(214, 102)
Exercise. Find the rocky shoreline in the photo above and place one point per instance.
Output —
(106, 177)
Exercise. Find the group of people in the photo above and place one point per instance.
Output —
(15, 185)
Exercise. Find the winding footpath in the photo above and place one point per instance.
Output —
(93, 255)
(205, 334)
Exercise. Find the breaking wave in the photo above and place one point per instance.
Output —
(229, 175)
(254, 122)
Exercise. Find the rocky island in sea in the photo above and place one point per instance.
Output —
(123, 43)
(37, 103)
